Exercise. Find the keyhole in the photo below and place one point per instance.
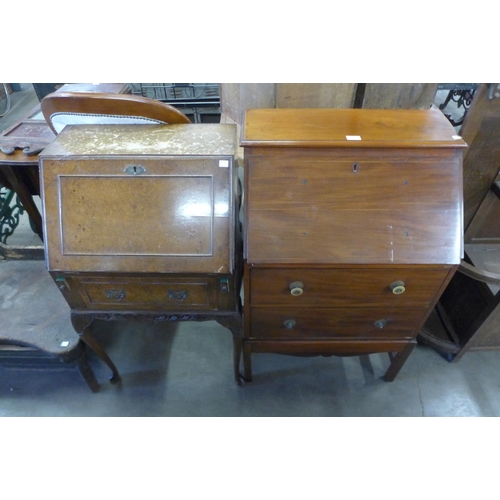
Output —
(355, 168)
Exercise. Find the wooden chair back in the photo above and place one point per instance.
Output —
(84, 108)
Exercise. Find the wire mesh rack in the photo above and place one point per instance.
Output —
(199, 101)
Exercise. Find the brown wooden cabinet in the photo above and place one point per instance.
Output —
(141, 222)
(353, 228)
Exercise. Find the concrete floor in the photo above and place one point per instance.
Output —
(185, 369)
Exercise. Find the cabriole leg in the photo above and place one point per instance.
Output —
(247, 362)
(81, 324)
(87, 373)
(233, 323)
(237, 349)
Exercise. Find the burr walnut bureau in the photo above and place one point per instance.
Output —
(140, 222)
(353, 228)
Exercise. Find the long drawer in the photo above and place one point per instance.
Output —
(370, 323)
(152, 293)
(303, 287)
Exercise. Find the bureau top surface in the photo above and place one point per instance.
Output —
(186, 139)
(348, 128)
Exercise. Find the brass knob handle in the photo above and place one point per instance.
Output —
(289, 324)
(397, 287)
(296, 288)
(380, 323)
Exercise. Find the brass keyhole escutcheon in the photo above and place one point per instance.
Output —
(397, 287)
(289, 324)
(135, 169)
(296, 288)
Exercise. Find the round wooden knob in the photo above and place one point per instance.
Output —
(397, 288)
(296, 288)
(289, 324)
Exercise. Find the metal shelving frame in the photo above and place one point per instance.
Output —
(196, 100)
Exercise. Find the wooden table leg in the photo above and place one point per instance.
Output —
(397, 361)
(25, 197)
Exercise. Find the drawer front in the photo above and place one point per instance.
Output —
(136, 293)
(369, 323)
(302, 287)
(139, 214)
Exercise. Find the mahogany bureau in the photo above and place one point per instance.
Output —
(353, 228)
(140, 222)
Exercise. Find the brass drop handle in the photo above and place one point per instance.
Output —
(296, 288)
(289, 324)
(397, 287)
(178, 295)
(115, 294)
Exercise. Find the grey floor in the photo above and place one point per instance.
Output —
(185, 369)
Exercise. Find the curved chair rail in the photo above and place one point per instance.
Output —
(113, 105)
(478, 274)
